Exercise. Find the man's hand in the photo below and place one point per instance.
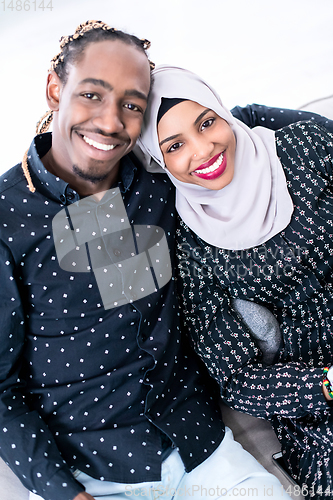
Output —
(83, 496)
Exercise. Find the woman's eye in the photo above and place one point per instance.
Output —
(207, 123)
(174, 147)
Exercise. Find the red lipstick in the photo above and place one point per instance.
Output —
(213, 168)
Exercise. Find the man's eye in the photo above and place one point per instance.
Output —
(132, 107)
(207, 123)
(90, 95)
(174, 147)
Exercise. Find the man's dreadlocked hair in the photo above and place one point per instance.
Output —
(72, 48)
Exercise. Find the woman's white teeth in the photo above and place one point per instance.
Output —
(213, 167)
(98, 145)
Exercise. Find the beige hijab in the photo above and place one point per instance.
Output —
(256, 205)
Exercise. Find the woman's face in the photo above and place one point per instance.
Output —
(198, 146)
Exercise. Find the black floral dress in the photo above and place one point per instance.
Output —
(292, 275)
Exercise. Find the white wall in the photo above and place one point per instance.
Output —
(275, 52)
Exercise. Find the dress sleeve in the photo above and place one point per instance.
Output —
(227, 348)
(314, 145)
(26, 443)
(255, 115)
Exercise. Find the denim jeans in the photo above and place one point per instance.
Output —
(229, 472)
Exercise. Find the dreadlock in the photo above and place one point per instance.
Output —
(72, 48)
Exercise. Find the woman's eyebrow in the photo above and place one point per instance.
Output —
(169, 139)
(195, 123)
(202, 115)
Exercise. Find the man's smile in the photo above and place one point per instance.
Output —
(98, 145)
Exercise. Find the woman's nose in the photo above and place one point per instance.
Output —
(202, 149)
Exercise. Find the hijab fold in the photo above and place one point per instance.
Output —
(256, 205)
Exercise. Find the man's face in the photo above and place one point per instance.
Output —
(100, 110)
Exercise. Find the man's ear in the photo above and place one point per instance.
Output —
(53, 88)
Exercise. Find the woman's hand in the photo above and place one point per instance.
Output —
(325, 392)
(328, 383)
(83, 496)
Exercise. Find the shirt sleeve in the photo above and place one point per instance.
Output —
(26, 443)
(255, 115)
(229, 351)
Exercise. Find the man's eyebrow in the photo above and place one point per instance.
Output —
(136, 93)
(201, 115)
(95, 81)
(169, 139)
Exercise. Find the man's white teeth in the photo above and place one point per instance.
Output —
(98, 145)
(213, 167)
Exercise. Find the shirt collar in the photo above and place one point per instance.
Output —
(58, 187)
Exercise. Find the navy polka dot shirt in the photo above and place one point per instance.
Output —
(82, 387)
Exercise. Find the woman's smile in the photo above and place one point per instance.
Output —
(213, 168)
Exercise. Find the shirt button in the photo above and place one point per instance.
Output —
(70, 195)
(116, 252)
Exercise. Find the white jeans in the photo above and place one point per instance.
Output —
(229, 472)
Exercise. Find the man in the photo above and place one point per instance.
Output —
(107, 399)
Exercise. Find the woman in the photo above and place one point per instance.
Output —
(256, 210)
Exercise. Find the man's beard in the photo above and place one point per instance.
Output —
(91, 177)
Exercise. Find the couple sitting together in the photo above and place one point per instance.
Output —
(108, 402)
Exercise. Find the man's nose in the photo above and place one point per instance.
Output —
(109, 119)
